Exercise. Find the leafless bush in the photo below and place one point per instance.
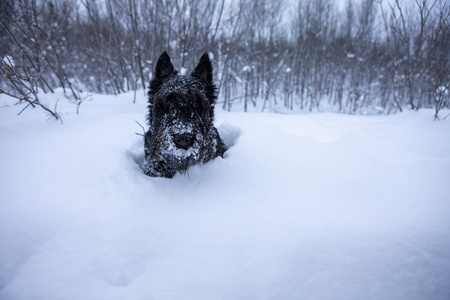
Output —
(22, 84)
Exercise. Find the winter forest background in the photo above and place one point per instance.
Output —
(353, 57)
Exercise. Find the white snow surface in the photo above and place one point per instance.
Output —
(313, 206)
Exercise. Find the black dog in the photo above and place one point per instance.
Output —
(181, 114)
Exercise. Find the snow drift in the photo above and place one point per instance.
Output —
(317, 206)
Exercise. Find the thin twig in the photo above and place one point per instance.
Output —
(143, 129)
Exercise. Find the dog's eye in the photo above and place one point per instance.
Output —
(200, 104)
(160, 106)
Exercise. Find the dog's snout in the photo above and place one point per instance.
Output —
(183, 141)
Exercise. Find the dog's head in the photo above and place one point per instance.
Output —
(181, 114)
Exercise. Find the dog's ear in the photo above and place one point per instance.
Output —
(204, 70)
(164, 67)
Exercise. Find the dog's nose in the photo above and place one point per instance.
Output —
(183, 141)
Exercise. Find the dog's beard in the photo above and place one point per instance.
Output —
(164, 158)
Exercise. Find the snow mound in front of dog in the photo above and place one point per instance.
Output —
(316, 206)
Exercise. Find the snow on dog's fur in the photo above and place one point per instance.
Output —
(181, 115)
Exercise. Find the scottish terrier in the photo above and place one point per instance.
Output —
(180, 116)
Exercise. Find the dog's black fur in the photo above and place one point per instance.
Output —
(181, 115)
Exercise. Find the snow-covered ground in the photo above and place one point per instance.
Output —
(314, 206)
